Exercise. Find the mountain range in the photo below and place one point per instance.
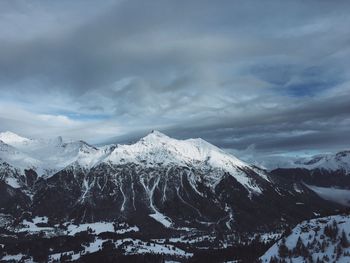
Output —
(163, 187)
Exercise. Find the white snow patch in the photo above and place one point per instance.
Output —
(165, 221)
(32, 227)
(99, 227)
(136, 246)
(12, 182)
(17, 257)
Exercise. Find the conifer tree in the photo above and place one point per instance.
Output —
(344, 242)
(283, 249)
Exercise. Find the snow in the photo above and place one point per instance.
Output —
(310, 230)
(161, 219)
(40, 219)
(55, 257)
(266, 237)
(126, 230)
(130, 246)
(157, 148)
(48, 156)
(13, 139)
(94, 246)
(136, 246)
(230, 218)
(340, 196)
(12, 182)
(98, 227)
(329, 162)
(156, 215)
(32, 227)
(191, 240)
(15, 157)
(297, 188)
(17, 257)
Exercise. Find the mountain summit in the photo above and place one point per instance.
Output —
(12, 138)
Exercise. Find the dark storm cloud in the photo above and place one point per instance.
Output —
(273, 74)
(138, 37)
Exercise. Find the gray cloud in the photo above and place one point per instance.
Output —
(270, 74)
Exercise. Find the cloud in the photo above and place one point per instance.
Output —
(271, 74)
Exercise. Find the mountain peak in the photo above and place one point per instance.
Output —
(156, 133)
(154, 136)
(157, 147)
(10, 137)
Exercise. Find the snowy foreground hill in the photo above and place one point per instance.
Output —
(157, 199)
(318, 240)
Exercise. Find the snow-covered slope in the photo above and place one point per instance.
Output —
(319, 240)
(158, 149)
(13, 139)
(47, 156)
(16, 158)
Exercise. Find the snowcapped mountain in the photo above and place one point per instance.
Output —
(157, 149)
(47, 157)
(330, 162)
(13, 139)
(326, 174)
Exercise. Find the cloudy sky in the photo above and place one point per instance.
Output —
(256, 77)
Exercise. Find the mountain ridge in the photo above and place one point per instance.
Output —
(154, 149)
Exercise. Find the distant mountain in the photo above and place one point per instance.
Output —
(329, 162)
(333, 162)
(47, 157)
(328, 175)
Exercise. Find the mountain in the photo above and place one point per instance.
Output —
(47, 156)
(323, 239)
(333, 162)
(170, 181)
(328, 175)
(12, 138)
(185, 190)
(329, 162)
